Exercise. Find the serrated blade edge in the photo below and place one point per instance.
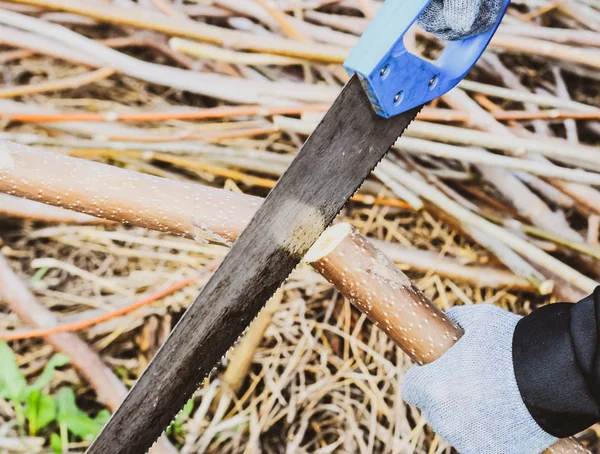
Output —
(339, 155)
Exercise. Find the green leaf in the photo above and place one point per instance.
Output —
(56, 443)
(65, 403)
(177, 424)
(12, 381)
(45, 378)
(83, 426)
(40, 411)
(77, 421)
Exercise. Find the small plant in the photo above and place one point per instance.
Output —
(35, 409)
(175, 428)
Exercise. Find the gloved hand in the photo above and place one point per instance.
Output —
(459, 19)
(470, 395)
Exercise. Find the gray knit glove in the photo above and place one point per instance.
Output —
(459, 19)
(470, 396)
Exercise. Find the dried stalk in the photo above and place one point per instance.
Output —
(419, 146)
(523, 247)
(55, 85)
(219, 86)
(555, 148)
(428, 261)
(559, 35)
(138, 17)
(391, 301)
(541, 48)
(527, 203)
(215, 53)
(585, 195)
(525, 97)
(109, 389)
(513, 261)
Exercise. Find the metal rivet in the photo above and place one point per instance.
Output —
(398, 97)
(433, 82)
(384, 71)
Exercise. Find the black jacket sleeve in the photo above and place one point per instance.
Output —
(556, 355)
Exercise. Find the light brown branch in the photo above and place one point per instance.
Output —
(174, 207)
(35, 211)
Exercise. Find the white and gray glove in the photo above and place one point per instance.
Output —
(470, 395)
(459, 19)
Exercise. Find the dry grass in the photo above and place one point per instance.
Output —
(324, 379)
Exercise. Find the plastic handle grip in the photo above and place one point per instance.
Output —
(396, 80)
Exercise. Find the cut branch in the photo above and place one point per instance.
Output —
(390, 299)
(384, 293)
(28, 209)
(174, 207)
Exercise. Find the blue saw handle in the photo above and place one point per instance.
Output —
(396, 80)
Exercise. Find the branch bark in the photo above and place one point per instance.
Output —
(174, 207)
(28, 209)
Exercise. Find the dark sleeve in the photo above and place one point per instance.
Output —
(556, 353)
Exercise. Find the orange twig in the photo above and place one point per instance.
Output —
(198, 114)
(55, 85)
(427, 114)
(29, 334)
(545, 115)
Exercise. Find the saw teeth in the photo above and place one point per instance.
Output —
(211, 373)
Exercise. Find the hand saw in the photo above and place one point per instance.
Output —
(387, 88)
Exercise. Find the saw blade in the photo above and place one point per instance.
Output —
(335, 160)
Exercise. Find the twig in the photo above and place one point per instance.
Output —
(57, 85)
(215, 53)
(187, 114)
(78, 326)
(283, 21)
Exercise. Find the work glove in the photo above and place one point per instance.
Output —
(458, 19)
(470, 395)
